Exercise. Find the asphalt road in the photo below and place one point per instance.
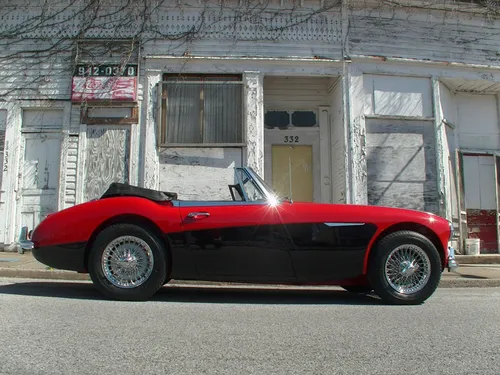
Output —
(67, 328)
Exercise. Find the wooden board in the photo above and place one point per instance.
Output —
(401, 164)
(107, 158)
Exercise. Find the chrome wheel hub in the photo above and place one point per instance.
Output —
(407, 269)
(127, 262)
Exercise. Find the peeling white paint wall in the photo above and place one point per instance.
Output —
(254, 120)
(337, 144)
(149, 155)
(199, 173)
(295, 92)
(446, 115)
(423, 34)
(35, 78)
(275, 36)
(3, 166)
(356, 136)
(401, 164)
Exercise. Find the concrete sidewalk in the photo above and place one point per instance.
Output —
(482, 271)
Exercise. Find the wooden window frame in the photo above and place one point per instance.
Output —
(162, 128)
(133, 119)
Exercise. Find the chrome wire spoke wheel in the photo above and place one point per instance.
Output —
(127, 262)
(407, 269)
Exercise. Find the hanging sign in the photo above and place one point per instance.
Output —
(104, 82)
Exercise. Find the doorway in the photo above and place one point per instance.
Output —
(39, 176)
(292, 168)
(481, 199)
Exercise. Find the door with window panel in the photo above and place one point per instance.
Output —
(292, 153)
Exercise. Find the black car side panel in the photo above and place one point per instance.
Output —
(248, 253)
(324, 252)
(271, 253)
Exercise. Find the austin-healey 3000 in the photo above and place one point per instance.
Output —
(134, 240)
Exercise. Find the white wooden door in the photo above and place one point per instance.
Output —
(39, 177)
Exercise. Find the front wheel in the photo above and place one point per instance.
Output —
(127, 263)
(405, 268)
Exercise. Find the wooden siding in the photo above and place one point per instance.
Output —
(35, 77)
(424, 34)
(289, 93)
(243, 48)
(71, 172)
(107, 161)
(199, 174)
(401, 164)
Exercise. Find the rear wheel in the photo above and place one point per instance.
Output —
(405, 269)
(127, 262)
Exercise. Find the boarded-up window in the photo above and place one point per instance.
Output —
(202, 110)
(42, 119)
(478, 127)
(401, 164)
(398, 96)
(479, 181)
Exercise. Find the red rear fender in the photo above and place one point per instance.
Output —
(79, 223)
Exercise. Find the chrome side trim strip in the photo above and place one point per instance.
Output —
(344, 224)
(178, 203)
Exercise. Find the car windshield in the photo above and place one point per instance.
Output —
(251, 191)
(264, 184)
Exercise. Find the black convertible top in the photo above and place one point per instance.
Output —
(117, 189)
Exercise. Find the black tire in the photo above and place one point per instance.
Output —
(357, 289)
(377, 272)
(150, 284)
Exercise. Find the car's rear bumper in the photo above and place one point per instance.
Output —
(69, 257)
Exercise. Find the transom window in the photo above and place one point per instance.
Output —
(290, 119)
(201, 110)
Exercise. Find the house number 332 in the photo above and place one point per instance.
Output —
(291, 139)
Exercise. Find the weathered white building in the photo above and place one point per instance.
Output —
(346, 102)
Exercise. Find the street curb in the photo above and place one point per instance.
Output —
(445, 282)
(478, 259)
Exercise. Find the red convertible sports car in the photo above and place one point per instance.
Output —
(134, 240)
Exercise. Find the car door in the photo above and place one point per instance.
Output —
(324, 245)
(237, 242)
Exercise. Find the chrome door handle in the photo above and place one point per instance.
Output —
(198, 215)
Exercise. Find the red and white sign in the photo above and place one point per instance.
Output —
(104, 88)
